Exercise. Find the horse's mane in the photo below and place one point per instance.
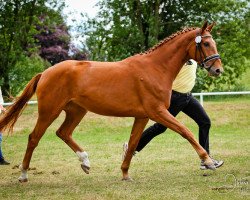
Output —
(162, 42)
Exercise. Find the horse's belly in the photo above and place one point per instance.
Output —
(119, 108)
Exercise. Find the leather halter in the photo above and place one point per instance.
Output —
(214, 57)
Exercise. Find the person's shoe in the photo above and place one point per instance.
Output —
(4, 162)
(217, 164)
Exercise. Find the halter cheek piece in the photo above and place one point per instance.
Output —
(214, 57)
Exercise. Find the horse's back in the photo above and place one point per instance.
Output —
(106, 88)
(59, 75)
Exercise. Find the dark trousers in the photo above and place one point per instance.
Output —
(1, 154)
(192, 108)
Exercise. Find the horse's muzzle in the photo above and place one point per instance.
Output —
(216, 71)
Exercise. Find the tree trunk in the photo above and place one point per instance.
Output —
(6, 85)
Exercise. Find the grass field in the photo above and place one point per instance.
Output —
(168, 168)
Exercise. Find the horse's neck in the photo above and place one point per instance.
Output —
(172, 55)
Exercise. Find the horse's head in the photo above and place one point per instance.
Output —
(203, 50)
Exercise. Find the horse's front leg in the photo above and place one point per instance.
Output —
(162, 116)
(138, 127)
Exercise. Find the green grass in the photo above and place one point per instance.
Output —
(168, 168)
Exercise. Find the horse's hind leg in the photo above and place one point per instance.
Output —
(138, 127)
(74, 115)
(43, 122)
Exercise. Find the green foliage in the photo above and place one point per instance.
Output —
(24, 70)
(16, 30)
(123, 28)
(18, 21)
(245, 79)
(232, 37)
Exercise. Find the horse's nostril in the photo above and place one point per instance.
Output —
(218, 71)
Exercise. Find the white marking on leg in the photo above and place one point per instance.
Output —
(83, 157)
(24, 175)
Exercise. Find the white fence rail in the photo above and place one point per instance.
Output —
(194, 94)
(217, 93)
(29, 102)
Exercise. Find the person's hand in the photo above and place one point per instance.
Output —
(2, 108)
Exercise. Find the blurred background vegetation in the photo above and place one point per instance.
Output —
(34, 35)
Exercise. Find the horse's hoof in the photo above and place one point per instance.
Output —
(23, 180)
(85, 168)
(127, 179)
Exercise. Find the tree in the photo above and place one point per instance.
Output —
(29, 27)
(24, 70)
(17, 29)
(54, 39)
(232, 37)
(123, 28)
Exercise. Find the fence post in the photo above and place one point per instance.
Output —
(201, 99)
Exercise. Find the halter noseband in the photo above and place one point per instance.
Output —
(214, 57)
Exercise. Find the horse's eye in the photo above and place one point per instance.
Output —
(206, 44)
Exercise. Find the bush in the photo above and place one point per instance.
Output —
(23, 71)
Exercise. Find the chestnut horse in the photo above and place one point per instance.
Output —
(138, 86)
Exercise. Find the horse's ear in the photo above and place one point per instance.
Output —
(204, 27)
(210, 27)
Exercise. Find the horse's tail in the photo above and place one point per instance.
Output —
(10, 117)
